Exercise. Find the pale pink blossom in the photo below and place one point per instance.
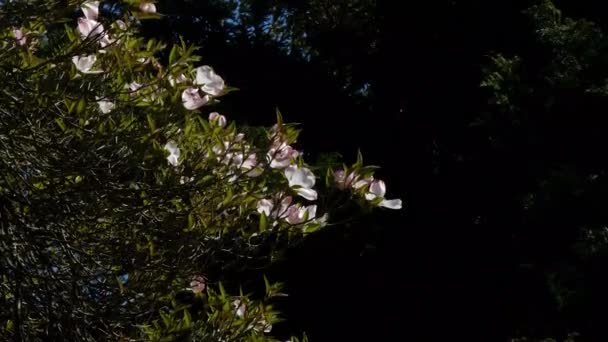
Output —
(344, 181)
(299, 214)
(265, 206)
(105, 40)
(20, 36)
(210, 82)
(147, 7)
(363, 182)
(239, 137)
(219, 119)
(252, 166)
(120, 24)
(105, 106)
(262, 325)
(174, 153)
(179, 79)
(239, 307)
(377, 189)
(192, 99)
(303, 180)
(85, 63)
(89, 27)
(198, 284)
(90, 9)
(281, 156)
(282, 211)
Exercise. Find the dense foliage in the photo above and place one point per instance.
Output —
(128, 208)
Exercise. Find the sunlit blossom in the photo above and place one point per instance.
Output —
(303, 180)
(174, 153)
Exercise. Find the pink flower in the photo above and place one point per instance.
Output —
(251, 164)
(239, 307)
(85, 63)
(120, 24)
(377, 189)
(216, 117)
(303, 180)
(265, 206)
(363, 182)
(105, 106)
(174, 153)
(344, 181)
(89, 27)
(90, 9)
(20, 36)
(298, 214)
(281, 156)
(192, 99)
(147, 7)
(269, 208)
(179, 79)
(198, 284)
(211, 83)
(134, 86)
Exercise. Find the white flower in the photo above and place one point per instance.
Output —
(344, 181)
(211, 83)
(198, 284)
(239, 307)
(363, 182)
(239, 137)
(251, 164)
(147, 7)
(174, 153)
(184, 179)
(280, 155)
(85, 63)
(262, 325)
(192, 99)
(105, 106)
(299, 214)
(180, 79)
(216, 117)
(120, 24)
(303, 179)
(377, 189)
(105, 41)
(134, 86)
(88, 27)
(267, 207)
(90, 9)
(20, 36)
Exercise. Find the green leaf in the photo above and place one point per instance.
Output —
(80, 107)
(173, 55)
(187, 319)
(263, 222)
(60, 123)
(191, 221)
(151, 122)
(279, 118)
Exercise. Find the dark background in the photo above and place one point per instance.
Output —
(495, 206)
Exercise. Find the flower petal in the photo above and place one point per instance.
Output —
(211, 83)
(309, 194)
(105, 106)
(378, 188)
(265, 206)
(391, 204)
(192, 99)
(147, 7)
(90, 9)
